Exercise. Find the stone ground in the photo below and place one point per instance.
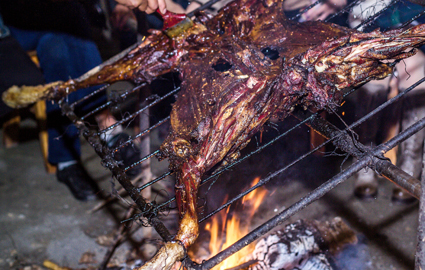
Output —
(40, 220)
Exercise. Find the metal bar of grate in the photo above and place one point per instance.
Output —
(342, 11)
(111, 102)
(161, 122)
(157, 209)
(133, 115)
(203, 7)
(141, 134)
(94, 93)
(307, 9)
(413, 19)
(372, 18)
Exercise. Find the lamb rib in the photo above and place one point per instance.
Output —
(238, 69)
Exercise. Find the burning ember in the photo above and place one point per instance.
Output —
(228, 227)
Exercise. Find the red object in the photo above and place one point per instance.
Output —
(171, 19)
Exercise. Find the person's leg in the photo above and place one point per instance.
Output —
(64, 145)
(409, 157)
(62, 57)
(26, 38)
(81, 56)
(369, 96)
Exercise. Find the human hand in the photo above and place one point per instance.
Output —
(149, 6)
(323, 10)
(121, 15)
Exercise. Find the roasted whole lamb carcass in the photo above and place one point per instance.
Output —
(240, 68)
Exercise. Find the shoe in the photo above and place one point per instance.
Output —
(366, 192)
(366, 185)
(82, 186)
(402, 197)
(126, 155)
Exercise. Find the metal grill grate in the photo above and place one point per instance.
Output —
(342, 139)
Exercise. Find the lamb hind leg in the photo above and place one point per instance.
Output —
(189, 179)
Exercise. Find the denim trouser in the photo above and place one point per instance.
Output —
(62, 57)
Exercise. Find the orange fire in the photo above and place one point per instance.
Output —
(234, 227)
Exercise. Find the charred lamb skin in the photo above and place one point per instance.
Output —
(238, 69)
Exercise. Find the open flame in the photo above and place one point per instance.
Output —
(234, 226)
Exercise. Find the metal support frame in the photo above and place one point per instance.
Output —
(344, 141)
(420, 250)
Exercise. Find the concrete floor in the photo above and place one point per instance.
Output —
(40, 220)
(39, 217)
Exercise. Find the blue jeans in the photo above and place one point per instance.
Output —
(62, 57)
